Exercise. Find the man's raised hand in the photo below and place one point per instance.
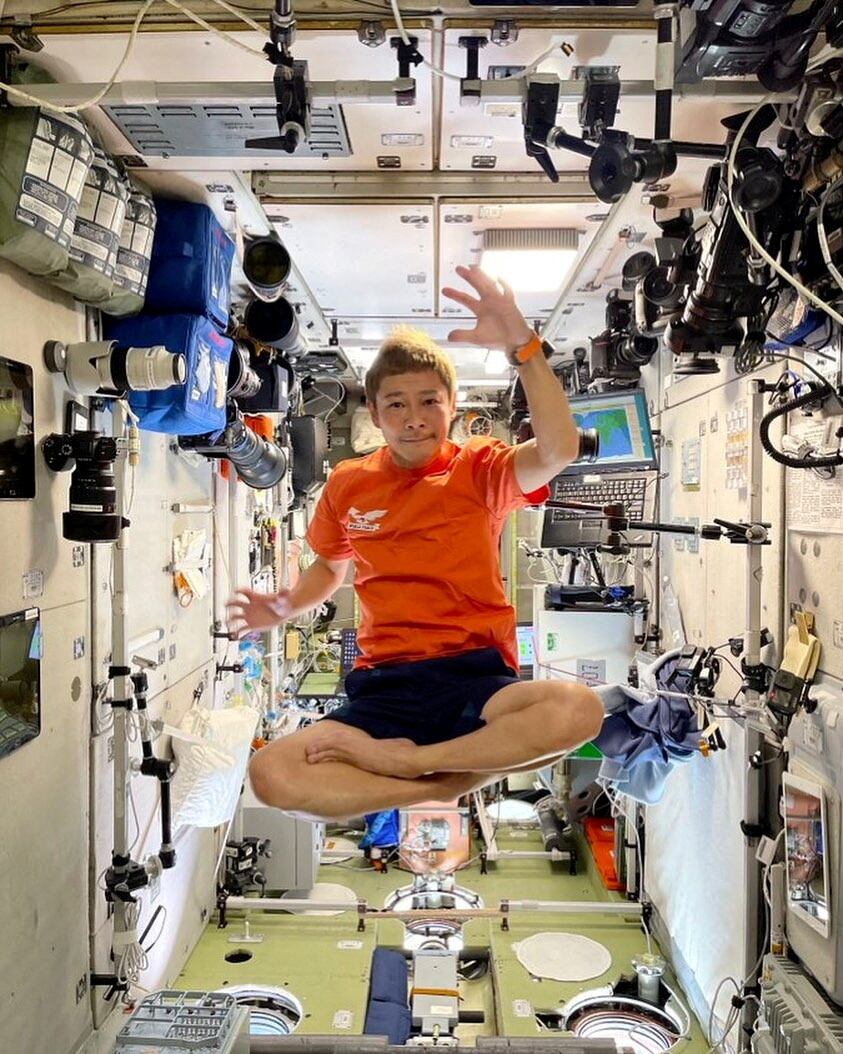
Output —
(499, 322)
(250, 612)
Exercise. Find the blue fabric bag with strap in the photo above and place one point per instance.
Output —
(198, 405)
(190, 269)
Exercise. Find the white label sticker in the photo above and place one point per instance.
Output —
(591, 671)
(350, 945)
(813, 737)
(837, 635)
(522, 1008)
(50, 187)
(33, 584)
(343, 1019)
(440, 1010)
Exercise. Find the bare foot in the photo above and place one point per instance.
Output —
(386, 757)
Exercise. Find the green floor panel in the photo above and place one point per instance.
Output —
(322, 960)
(325, 961)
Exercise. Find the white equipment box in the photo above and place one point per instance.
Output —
(586, 647)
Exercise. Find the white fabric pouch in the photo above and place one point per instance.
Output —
(212, 749)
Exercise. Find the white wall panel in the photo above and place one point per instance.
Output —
(695, 847)
(632, 50)
(203, 57)
(186, 891)
(31, 314)
(43, 859)
(815, 584)
(162, 479)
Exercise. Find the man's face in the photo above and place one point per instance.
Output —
(414, 411)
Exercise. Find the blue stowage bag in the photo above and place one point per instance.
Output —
(190, 270)
(198, 405)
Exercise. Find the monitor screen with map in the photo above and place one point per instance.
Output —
(623, 424)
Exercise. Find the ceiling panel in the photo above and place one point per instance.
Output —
(495, 129)
(363, 261)
(201, 57)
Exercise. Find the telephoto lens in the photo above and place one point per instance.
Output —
(243, 381)
(258, 462)
(92, 513)
(589, 445)
(102, 367)
(275, 324)
(266, 265)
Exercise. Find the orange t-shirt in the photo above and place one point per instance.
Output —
(425, 548)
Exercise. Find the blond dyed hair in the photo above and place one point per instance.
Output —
(408, 350)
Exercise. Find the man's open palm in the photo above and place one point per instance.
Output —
(499, 322)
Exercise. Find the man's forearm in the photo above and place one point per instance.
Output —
(553, 424)
(314, 586)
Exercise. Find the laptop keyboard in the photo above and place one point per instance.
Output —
(629, 490)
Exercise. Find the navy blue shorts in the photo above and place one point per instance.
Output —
(428, 701)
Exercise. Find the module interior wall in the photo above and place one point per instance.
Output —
(31, 314)
(44, 784)
(703, 800)
(162, 480)
(43, 860)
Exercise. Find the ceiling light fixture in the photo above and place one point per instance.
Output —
(532, 260)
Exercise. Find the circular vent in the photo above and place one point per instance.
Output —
(425, 932)
(274, 1011)
(432, 899)
(639, 1026)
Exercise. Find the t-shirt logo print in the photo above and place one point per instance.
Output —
(365, 521)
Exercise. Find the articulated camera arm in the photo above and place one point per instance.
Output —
(618, 523)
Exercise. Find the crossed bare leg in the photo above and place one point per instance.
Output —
(387, 757)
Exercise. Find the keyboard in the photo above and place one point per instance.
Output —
(630, 490)
(568, 529)
(348, 650)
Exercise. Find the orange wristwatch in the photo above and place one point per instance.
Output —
(526, 351)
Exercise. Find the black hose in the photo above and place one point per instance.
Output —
(815, 395)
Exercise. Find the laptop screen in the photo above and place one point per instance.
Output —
(623, 424)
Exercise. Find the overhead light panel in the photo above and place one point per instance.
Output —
(531, 260)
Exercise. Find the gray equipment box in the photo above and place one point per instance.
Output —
(794, 1016)
(296, 845)
(435, 969)
(200, 1022)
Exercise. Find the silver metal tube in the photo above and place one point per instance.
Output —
(608, 231)
(291, 905)
(507, 907)
(752, 648)
(575, 907)
(153, 93)
(168, 93)
(122, 685)
(528, 854)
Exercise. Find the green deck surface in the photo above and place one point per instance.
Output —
(325, 961)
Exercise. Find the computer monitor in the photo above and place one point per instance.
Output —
(20, 679)
(813, 815)
(806, 851)
(526, 653)
(623, 424)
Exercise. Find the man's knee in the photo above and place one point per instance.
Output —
(578, 711)
(269, 775)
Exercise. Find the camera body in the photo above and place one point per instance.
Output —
(734, 38)
(92, 512)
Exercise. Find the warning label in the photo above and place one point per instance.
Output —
(51, 187)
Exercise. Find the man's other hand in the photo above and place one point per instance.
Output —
(250, 612)
(499, 322)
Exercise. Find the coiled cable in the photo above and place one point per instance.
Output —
(816, 394)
